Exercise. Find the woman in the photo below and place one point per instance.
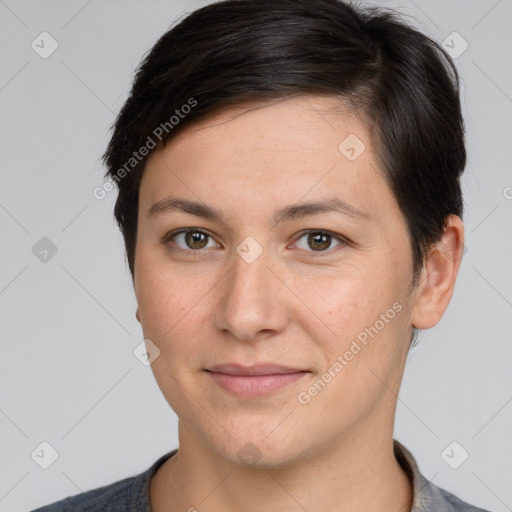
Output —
(289, 197)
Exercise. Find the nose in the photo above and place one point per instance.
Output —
(253, 299)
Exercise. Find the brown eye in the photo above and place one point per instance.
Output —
(196, 239)
(319, 241)
(191, 240)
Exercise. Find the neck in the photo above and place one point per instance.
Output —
(359, 473)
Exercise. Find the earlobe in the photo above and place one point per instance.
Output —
(437, 280)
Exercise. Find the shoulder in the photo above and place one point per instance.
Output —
(99, 499)
(128, 495)
(453, 503)
(428, 497)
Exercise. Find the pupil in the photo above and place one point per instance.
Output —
(319, 239)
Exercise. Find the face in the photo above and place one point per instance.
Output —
(280, 243)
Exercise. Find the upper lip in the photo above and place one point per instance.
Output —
(257, 369)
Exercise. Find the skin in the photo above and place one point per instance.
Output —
(211, 307)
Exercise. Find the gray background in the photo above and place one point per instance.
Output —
(68, 375)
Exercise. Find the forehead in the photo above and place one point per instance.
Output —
(306, 123)
(254, 155)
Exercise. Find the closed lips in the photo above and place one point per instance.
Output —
(255, 370)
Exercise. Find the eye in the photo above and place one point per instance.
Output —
(193, 240)
(190, 240)
(318, 241)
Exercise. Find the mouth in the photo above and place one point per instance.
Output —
(254, 381)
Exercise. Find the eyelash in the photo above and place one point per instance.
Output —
(313, 254)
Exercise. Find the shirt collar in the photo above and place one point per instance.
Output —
(427, 497)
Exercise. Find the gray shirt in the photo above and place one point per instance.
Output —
(132, 494)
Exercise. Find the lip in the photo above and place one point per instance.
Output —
(256, 369)
(254, 381)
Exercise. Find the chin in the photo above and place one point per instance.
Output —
(261, 450)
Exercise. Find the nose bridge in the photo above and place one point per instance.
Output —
(251, 300)
(248, 274)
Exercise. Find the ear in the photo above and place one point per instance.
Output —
(437, 279)
(137, 315)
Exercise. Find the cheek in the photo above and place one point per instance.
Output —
(340, 302)
(163, 300)
(358, 321)
(360, 362)
(175, 311)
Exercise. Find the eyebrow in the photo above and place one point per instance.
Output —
(294, 211)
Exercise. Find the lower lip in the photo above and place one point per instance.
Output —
(251, 386)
